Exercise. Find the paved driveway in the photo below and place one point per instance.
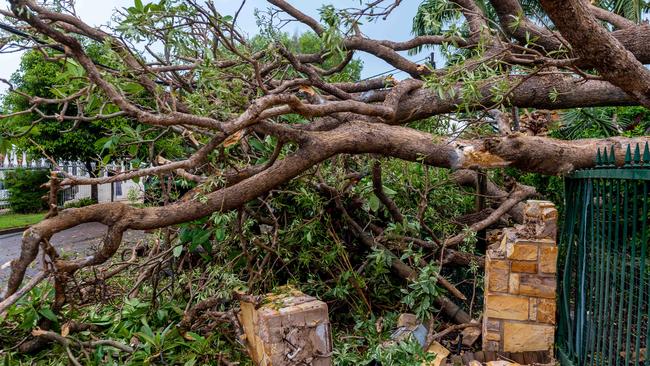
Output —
(78, 241)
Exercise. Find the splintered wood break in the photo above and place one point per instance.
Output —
(288, 328)
(477, 158)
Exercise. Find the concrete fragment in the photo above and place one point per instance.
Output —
(441, 354)
(289, 328)
(470, 335)
(409, 326)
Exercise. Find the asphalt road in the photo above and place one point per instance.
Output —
(78, 241)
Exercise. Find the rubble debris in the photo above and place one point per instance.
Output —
(287, 328)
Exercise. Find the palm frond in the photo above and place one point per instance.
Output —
(580, 122)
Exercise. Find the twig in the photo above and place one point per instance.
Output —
(519, 194)
(67, 342)
(9, 301)
(455, 328)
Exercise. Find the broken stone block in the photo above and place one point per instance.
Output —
(470, 336)
(521, 252)
(289, 328)
(502, 363)
(497, 264)
(533, 285)
(513, 284)
(492, 325)
(532, 313)
(546, 311)
(498, 281)
(491, 346)
(548, 259)
(441, 354)
(524, 267)
(522, 337)
(407, 326)
(407, 320)
(507, 307)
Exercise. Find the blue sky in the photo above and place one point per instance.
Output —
(397, 27)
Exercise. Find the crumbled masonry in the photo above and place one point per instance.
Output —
(288, 328)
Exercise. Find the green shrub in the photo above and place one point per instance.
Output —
(25, 191)
(82, 202)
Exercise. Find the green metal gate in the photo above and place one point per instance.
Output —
(604, 271)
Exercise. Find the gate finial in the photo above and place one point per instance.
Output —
(628, 156)
(612, 157)
(637, 155)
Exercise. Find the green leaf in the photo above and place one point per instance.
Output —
(200, 237)
(132, 88)
(220, 234)
(373, 202)
(177, 251)
(389, 191)
(49, 314)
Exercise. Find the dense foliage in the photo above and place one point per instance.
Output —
(26, 191)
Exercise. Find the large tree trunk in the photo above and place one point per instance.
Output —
(528, 153)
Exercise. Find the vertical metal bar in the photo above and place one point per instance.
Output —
(599, 254)
(633, 241)
(580, 276)
(623, 254)
(643, 272)
(573, 189)
(591, 260)
(609, 248)
(645, 244)
(611, 352)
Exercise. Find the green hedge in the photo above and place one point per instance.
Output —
(82, 202)
(25, 192)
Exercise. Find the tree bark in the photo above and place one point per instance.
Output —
(93, 173)
(595, 45)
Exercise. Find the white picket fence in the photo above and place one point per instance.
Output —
(117, 191)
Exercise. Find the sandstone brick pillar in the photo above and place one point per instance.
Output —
(520, 283)
(287, 328)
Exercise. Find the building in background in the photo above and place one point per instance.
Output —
(110, 192)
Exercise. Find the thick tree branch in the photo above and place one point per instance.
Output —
(598, 47)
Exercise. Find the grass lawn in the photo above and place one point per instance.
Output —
(12, 220)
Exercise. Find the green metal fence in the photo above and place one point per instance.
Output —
(604, 270)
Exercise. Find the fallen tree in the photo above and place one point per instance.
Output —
(217, 101)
